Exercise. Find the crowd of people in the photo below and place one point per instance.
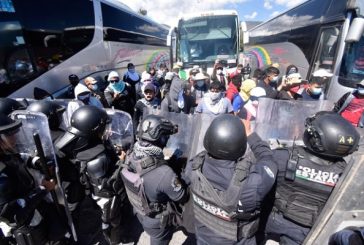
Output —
(236, 191)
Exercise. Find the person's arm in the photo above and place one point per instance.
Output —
(172, 186)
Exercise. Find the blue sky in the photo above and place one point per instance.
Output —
(167, 11)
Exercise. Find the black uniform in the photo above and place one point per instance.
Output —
(307, 175)
(151, 185)
(258, 180)
(301, 193)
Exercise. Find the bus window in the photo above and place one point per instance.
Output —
(352, 67)
(326, 50)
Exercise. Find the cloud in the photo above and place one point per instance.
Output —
(251, 16)
(267, 4)
(274, 14)
(168, 11)
(289, 3)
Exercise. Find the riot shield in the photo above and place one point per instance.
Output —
(200, 124)
(34, 139)
(120, 131)
(179, 143)
(345, 207)
(283, 121)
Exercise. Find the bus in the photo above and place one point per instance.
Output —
(201, 38)
(43, 42)
(317, 34)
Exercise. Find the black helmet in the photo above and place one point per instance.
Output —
(49, 108)
(7, 124)
(8, 105)
(225, 138)
(153, 127)
(88, 121)
(329, 134)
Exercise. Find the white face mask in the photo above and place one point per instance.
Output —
(215, 96)
(361, 91)
(274, 79)
(246, 77)
(219, 72)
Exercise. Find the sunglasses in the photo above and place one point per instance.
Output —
(114, 81)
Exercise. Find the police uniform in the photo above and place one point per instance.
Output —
(307, 175)
(227, 194)
(152, 186)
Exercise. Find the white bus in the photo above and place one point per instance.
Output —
(315, 34)
(43, 42)
(201, 38)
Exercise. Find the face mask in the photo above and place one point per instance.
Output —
(215, 96)
(200, 83)
(219, 72)
(316, 91)
(274, 79)
(361, 91)
(131, 70)
(94, 87)
(118, 87)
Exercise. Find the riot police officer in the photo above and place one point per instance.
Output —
(227, 188)
(23, 207)
(96, 159)
(152, 186)
(8, 105)
(307, 175)
(53, 111)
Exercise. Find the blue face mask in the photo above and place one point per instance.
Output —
(94, 87)
(316, 91)
(118, 87)
(131, 70)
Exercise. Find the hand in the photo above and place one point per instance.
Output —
(116, 95)
(122, 155)
(49, 184)
(247, 126)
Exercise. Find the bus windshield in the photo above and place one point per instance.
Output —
(352, 68)
(204, 39)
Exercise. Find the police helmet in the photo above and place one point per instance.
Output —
(153, 127)
(7, 125)
(49, 108)
(88, 121)
(328, 134)
(8, 105)
(225, 138)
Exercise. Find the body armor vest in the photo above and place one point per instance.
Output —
(303, 191)
(133, 180)
(217, 210)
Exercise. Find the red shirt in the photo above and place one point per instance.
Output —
(353, 111)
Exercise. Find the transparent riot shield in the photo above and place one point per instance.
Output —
(283, 121)
(179, 144)
(345, 207)
(33, 139)
(200, 124)
(120, 131)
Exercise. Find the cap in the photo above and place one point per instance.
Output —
(200, 76)
(258, 92)
(322, 73)
(130, 65)
(177, 66)
(112, 74)
(219, 65)
(80, 88)
(145, 76)
(149, 86)
(169, 76)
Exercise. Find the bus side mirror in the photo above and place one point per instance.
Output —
(355, 31)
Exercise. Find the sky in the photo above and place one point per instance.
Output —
(167, 11)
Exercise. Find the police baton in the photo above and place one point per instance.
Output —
(44, 168)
